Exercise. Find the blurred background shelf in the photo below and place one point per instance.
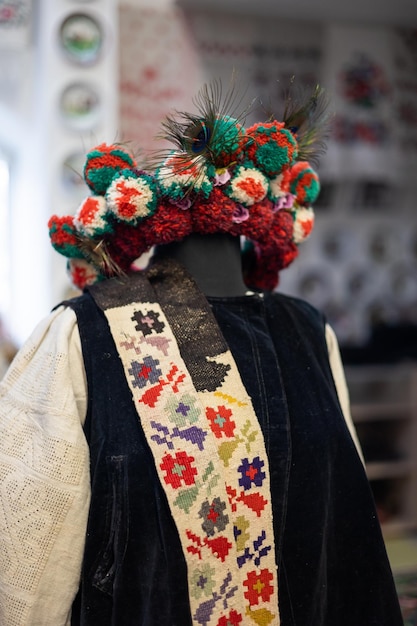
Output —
(384, 409)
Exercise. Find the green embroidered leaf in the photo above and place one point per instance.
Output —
(209, 470)
(245, 428)
(250, 439)
(262, 617)
(226, 450)
(213, 483)
(186, 498)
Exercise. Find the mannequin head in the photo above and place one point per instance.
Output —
(220, 178)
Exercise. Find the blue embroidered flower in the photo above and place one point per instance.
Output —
(148, 323)
(213, 516)
(251, 472)
(144, 372)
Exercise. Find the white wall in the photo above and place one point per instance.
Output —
(39, 140)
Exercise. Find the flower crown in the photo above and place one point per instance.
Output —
(255, 182)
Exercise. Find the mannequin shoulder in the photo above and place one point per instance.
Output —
(278, 303)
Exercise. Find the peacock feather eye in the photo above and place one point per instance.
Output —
(306, 116)
(197, 137)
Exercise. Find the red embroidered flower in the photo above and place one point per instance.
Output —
(233, 619)
(259, 587)
(220, 422)
(178, 469)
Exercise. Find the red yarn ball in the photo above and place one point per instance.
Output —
(259, 222)
(214, 214)
(126, 244)
(279, 234)
(170, 223)
(103, 163)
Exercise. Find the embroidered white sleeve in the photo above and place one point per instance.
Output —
(44, 476)
(340, 382)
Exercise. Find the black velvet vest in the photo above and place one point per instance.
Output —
(333, 568)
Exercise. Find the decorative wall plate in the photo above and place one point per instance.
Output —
(80, 106)
(81, 38)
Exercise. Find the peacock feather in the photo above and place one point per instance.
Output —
(211, 138)
(95, 252)
(306, 115)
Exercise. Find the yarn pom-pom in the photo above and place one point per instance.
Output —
(179, 175)
(126, 244)
(216, 214)
(261, 216)
(303, 223)
(132, 196)
(102, 164)
(305, 183)
(82, 273)
(63, 235)
(170, 223)
(260, 270)
(272, 147)
(263, 260)
(227, 141)
(90, 219)
(279, 186)
(247, 186)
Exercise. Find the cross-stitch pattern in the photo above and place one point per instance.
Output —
(211, 460)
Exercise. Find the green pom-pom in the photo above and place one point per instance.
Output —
(63, 237)
(102, 165)
(305, 183)
(271, 147)
(227, 139)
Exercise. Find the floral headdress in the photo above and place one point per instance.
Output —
(255, 182)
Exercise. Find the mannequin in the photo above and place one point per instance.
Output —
(173, 452)
(214, 261)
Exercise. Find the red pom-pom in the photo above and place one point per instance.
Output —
(63, 235)
(263, 261)
(259, 221)
(103, 163)
(304, 183)
(126, 244)
(170, 223)
(280, 233)
(214, 214)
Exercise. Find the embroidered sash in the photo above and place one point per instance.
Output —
(206, 441)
